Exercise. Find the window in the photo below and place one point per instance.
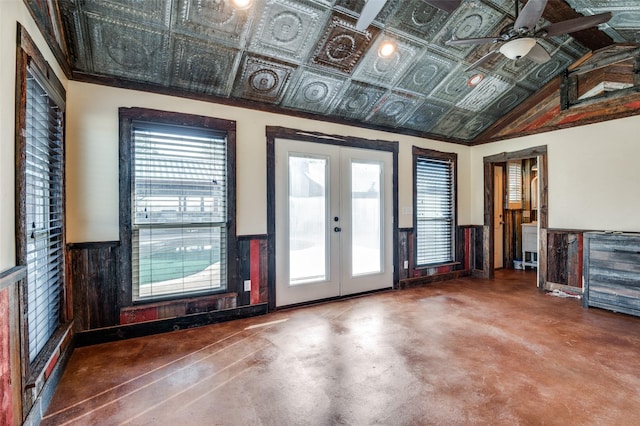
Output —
(514, 189)
(179, 209)
(40, 196)
(434, 206)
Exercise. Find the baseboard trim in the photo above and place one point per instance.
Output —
(129, 331)
(428, 279)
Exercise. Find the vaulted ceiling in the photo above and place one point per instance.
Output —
(306, 58)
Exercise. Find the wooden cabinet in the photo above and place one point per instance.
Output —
(612, 271)
(529, 244)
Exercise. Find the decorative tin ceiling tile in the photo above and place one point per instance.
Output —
(127, 50)
(545, 72)
(624, 26)
(385, 71)
(263, 80)
(624, 19)
(73, 21)
(631, 35)
(203, 67)
(419, 19)
(508, 101)
(140, 11)
(313, 91)
(341, 46)
(471, 19)
(503, 5)
(581, 5)
(288, 29)
(357, 100)
(452, 88)
(484, 94)
(354, 8)
(426, 73)
(568, 44)
(454, 119)
(472, 127)
(426, 116)
(394, 108)
(212, 20)
(206, 46)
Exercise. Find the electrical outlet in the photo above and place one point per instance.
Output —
(247, 285)
(406, 264)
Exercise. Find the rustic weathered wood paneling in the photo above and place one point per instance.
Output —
(11, 366)
(252, 266)
(93, 278)
(565, 258)
(612, 271)
(557, 256)
(6, 401)
(465, 261)
(512, 236)
(403, 252)
(478, 247)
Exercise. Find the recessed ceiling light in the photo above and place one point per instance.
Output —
(475, 79)
(241, 4)
(387, 48)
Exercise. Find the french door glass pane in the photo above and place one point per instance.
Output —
(365, 218)
(307, 220)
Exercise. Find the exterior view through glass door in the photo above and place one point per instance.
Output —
(334, 221)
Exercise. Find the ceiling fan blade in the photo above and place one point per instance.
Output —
(468, 41)
(538, 54)
(446, 5)
(369, 12)
(530, 14)
(486, 58)
(573, 25)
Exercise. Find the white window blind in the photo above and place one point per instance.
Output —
(44, 214)
(179, 210)
(514, 179)
(434, 211)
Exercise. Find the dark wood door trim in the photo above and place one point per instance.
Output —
(543, 208)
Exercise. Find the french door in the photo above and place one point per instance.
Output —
(334, 221)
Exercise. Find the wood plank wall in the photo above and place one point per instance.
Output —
(468, 258)
(93, 283)
(10, 358)
(93, 278)
(564, 259)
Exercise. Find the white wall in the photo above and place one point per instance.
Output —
(594, 175)
(11, 12)
(92, 158)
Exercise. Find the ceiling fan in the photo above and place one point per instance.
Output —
(373, 7)
(519, 40)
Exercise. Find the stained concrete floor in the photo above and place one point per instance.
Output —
(466, 351)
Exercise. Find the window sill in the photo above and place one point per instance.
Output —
(48, 357)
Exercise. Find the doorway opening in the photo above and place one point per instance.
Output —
(516, 212)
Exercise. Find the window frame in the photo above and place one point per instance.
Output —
(452, 157)
(127, 118)
(30, 61)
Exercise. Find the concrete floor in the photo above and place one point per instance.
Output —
(466, 351)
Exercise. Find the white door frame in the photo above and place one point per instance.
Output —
(333, 172)
(274, 133)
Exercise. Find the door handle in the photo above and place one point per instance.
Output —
(337, 229)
